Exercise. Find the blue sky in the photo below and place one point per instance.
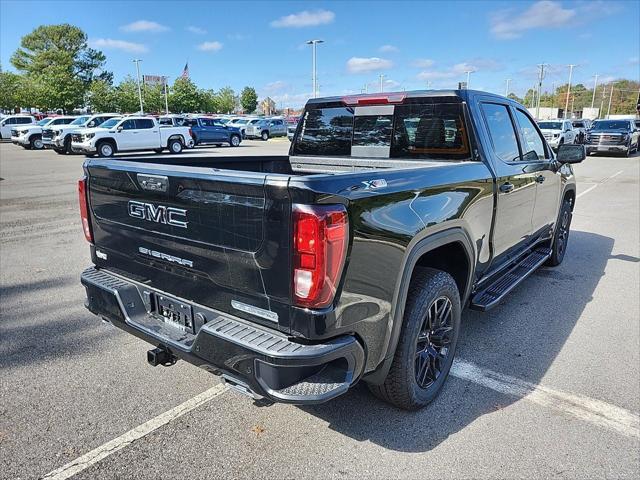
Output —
(414, 44)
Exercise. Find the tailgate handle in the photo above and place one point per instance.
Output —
(153, 183)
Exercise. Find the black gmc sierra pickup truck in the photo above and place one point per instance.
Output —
(293, 277)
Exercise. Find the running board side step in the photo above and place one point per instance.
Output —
(491, 295)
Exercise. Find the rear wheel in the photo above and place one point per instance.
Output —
(561, 235)
(175, 146)
(264, 135)
(105, 149)
(427, 343)
(36, 142)
(234, 141)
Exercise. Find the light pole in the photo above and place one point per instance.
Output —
(469, 72)
(166, 94)
(137, 62)
(314, 74)
(566, 105)
(540, 78)
(610, 98)
(595, 85)
(506, 91)
(381, 82)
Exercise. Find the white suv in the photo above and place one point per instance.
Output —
(13, 121)
(558, 132)
(30, 136)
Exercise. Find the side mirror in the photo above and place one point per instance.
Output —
(571, 153)
(119, 129)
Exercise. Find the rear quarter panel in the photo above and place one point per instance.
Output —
(385, 224)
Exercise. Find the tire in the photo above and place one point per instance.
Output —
(628, 152)
(561, 235)
(67, 145)
(36, 142)
(175, 146)
(419, 368)
(60, 151)
(105, 149)
(234, 141)
(264, 136)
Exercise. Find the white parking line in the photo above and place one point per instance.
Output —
(600, 183)
(103, 451)
(587, 190)
(587, 409)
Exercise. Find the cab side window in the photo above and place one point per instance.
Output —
(128, 125)
(144, 123)
(501, 131)
(532, 144)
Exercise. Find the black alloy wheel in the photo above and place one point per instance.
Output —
(433, 342)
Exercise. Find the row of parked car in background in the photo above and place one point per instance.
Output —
(621, 136)
(107, 133)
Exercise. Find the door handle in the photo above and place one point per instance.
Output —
(506, 187)
(540, 178)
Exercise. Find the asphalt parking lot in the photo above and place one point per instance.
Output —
(546, 385)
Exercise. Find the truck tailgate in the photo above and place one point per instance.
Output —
(217, 238)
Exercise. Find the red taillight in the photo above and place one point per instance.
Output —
(191, 132)
(375, 99)
(84, 209)
(320, 239)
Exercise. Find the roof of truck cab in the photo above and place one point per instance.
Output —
(455, 95)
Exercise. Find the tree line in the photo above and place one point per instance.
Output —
(58, 70)
(623, 95)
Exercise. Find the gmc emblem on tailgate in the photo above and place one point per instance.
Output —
(176, 217)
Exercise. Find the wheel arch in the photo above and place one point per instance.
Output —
(449, 250)
(110, 140)
(176, 136)
(569, 194)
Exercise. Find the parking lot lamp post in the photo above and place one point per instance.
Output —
(137, 62)
(566, 105)
(381, 83)
(595, 86)
(166, 95)
(314, 74)
(506, 91)
(610, 98)
(469, 72)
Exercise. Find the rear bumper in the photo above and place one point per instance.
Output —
(262, 362)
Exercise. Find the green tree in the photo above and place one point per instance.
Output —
(226, 100)
(11, 91)
(249, 99)
(184, 96)
(127, 96)
(513, 96)
(61, 65)
(102, 97)
(208, 101)
(153, 98)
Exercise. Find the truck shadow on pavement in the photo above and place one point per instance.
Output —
(521, 338)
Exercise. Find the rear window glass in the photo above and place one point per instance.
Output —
(325, 131)
(415, 131)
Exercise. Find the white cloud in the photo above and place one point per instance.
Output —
(458, 70)
(294, 100)
(144, 26)
(111, 44)
(634, 60)
(388, 49)
(238, 36)
(543, 14)
(306, 18)
(276, 86)
(196, 30)
(365, 65)
(210, 46)
(423, 63)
